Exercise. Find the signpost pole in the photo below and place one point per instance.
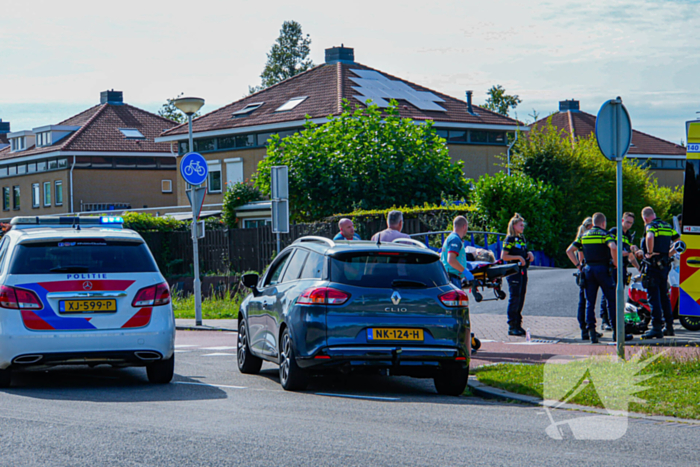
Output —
(195, 244)
(620, 309)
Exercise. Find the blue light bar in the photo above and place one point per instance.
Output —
(111, 220)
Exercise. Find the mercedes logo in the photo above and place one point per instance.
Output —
(395, 298)
(87, 285)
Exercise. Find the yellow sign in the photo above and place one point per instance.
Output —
(693, 146)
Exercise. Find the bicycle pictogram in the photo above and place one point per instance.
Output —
(194, 167)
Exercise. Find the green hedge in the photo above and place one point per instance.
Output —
(436, 217)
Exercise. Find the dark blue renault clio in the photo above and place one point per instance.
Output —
(353, 306)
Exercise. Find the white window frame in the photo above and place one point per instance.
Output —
(230, 163)
(36, 195)
(58, 183)
(214, 166)
(166, 186)
(47, 202)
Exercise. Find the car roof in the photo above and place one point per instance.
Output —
(329, 247)
(50, 233)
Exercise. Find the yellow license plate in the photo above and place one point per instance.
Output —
(87, 306)
(394, 334)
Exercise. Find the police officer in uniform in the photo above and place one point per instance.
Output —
(628, 258)
(515, 249)
(599, 251)
(454, 256)
(657, 252)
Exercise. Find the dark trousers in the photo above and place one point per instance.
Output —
(582, 308)
(659, 302)
(605, 310)
(517, 287)
(456, 281)
(598, 277)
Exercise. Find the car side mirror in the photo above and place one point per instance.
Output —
(251, 281)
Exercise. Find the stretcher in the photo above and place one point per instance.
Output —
(490, 276)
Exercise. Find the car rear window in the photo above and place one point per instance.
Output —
(382, 269)
(82, 256)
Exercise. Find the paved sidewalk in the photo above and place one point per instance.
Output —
(207, 325)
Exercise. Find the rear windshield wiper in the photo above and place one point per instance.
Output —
(69, 269)
(408, 284)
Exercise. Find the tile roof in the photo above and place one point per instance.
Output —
(99, 132)
(326, 86)
(582, 124)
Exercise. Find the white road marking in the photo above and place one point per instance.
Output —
(218, 354)
(223, 347)
(210, 385)
(350, 396)
(182, 351)
(179, 346)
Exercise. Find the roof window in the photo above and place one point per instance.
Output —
(132, 133)
(291, 103)
(247, 110)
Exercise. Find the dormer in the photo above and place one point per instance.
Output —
(51, 134)
(20, 140)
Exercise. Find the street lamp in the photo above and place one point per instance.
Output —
(189, 106)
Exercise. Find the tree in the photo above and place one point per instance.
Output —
(169, 111)
(500, 102)
(288, 57)
(365, 159)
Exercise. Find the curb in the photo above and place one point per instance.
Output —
(489, 392)
(204, 328)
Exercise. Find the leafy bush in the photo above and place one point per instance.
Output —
(364, 158)
(142, 222)
(496, 198)
(236, 196)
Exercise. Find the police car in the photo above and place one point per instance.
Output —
(82, 291)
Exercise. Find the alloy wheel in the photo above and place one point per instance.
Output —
(242, 347)
(284, 364)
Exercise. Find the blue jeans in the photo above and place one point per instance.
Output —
(517, 286)
(659, 302)
(598, 276)
(457, 282)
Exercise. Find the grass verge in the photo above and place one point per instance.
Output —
(656, 384)
(212, 308)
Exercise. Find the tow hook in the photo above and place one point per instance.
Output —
(396, 360)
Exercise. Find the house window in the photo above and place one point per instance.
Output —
(35, 195)
(41, 166)
(247, 110)
(15, 197)
(43, 138)
(47, 193)
(214, 178)
(132, 133)
(166, 186)
(6, 198)
(59, 193)
(234, 171)
(290, 104)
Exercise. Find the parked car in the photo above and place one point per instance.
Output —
(351, 306)
(82, 291)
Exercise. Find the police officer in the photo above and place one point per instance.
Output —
(599, 251)
(657, 253)
(628, 258)
(454, 256)
(515, 249)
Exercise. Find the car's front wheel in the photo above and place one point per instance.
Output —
(247, 362)
(452, 381)
(292, 377)
(5, 378)
(161, 372)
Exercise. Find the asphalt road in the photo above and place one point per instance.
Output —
(212, 415)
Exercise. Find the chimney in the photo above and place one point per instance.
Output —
(571, 105)
(470, 109)
(4, 127)
(340, 54)
(112, 97)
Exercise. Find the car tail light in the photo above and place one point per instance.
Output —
(11, 297)
(455, 298)
(155, 295)
(323, 296)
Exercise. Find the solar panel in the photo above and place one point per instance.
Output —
(373, 85)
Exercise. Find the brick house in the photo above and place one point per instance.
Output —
(665, 159)
(233, 138)
(103, 158)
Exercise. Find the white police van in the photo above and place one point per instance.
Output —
(82, 291)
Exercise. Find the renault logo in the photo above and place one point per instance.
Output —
(395, 298)
(87, 285)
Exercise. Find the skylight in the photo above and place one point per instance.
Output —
(247, 109)
(291, 103)
(132, 133)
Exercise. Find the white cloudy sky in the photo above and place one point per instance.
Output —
(55, 57)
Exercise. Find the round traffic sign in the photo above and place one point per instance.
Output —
(193, 168)
(613, 129)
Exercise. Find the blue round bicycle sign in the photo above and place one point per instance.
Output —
(193, 168)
